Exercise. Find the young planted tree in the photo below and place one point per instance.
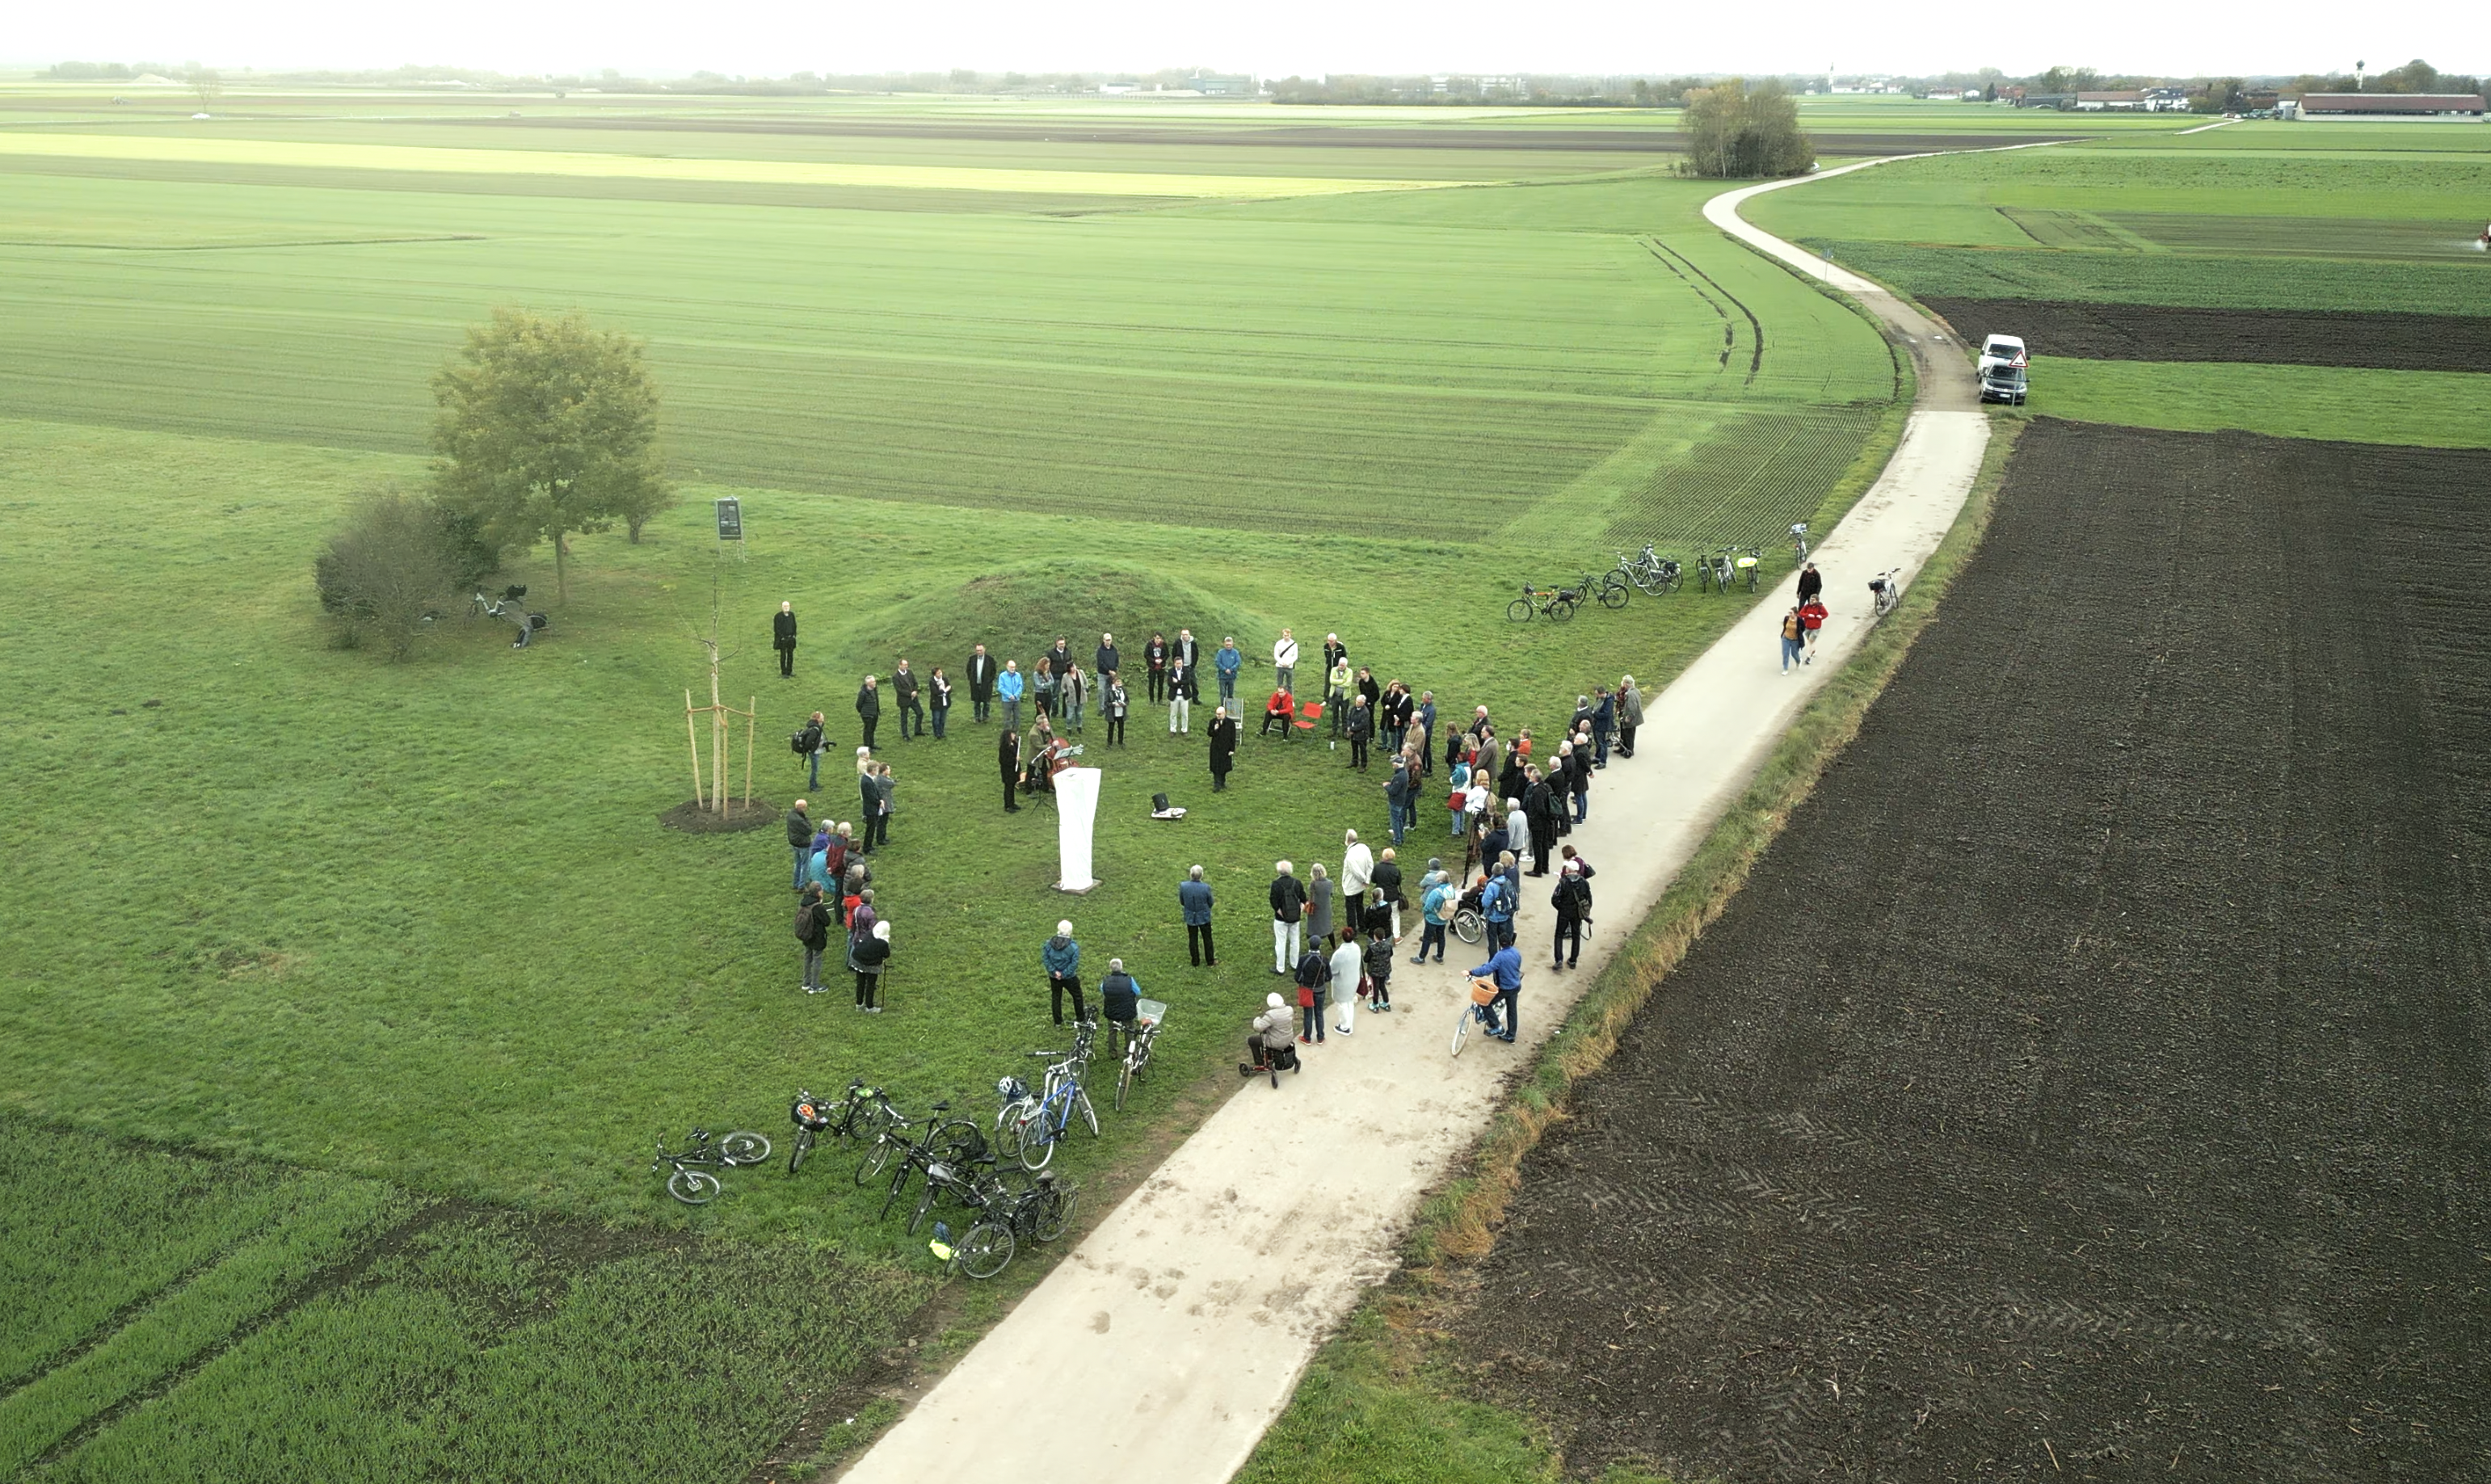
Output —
(547, 428)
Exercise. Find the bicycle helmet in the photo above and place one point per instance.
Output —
(1012, 1089)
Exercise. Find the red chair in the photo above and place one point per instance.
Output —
(1308, 715)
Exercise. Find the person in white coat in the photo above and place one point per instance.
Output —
(1357, 867)
(1347, 962)
(1284, 659)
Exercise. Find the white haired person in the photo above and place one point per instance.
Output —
(1272, 1031)
(1062, 957)
(1288, 916)
(868, 955)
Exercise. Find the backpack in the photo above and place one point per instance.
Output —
(796, 743)
(805, 923)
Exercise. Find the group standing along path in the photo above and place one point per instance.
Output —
(1160, 1350)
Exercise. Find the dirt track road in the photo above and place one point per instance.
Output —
(1159, 1351)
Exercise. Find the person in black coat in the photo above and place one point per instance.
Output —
(1108, 660)
(1223, 748)
(868, 708)
(981, 682)
(1362, 728)
(1811, 582)
(1539, 810)
(904, 685)
(1008, 760)
(783, 633)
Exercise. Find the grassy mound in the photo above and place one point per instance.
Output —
(1018, 611)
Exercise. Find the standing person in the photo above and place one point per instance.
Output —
(868, 709)
(1811, 582)
(782, 636)
(1379, 974)
(1357, 871)
(868, 808)
(1398, 708)
(1542, 805)
(1117, 703)
(1288, 916)
(1367, 686)
(1107, 661)
(1179, 692)
(1073, 690)
(885, 789)
(1517, 823)
(1223, 748)
(1577, 766)
(1400, 795)
(1336, 694)
(1424, 723)
(1572, 900)
(868, 955)
(1007, 761)
(1284, 662)
(861, 919)
(1629, 716)
(1120, 1003)
(1498, 903)
(814, 930)
(1604, 720)
(1812, 614)
(1387, 885)
(938, 699)
(1334, 651)
(981, 682)
(1794, 637)
(1435, 913)
(1008, 690)
(1062, 958)
(1502, 974)
(1194, 896)
(800, 839)
(1313, 968)
(904, 690)
(1228, 661)
(1154, 659)
(1187, 651)
(1344, 971)
(1043, 687)
(1319, 895)
(1361, 726)
(814, 740)
(1457, 802)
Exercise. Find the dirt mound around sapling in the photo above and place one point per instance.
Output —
(691, 818)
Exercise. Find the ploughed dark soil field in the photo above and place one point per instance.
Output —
(2144, 332)
(2091, 1083)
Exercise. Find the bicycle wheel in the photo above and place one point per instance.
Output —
(1462, 1029)
(925, 1204)
(899, 1174)
(1560, 609)
(1668, 582)
(1124, 1083)
(1619, 574)
(986, 1250)
(1089, 1114)
(1468, 925)
(1037, 1144)
(1010, 1124)
(693, 1187)
(1055, 1214)
(1614, 595)
(1519, 610)
(744, 1147)
(796, 1151)
(877, 1157)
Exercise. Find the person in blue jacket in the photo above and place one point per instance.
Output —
(1193, 895)
(1062, 957)
(1008, 690)
(1504, 972)
(1496, 905)
(1228, 659)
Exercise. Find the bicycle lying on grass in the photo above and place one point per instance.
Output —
(691, 1182)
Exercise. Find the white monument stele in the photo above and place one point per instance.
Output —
(1077, 812)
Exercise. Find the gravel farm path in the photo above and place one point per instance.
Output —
(1164, 1345)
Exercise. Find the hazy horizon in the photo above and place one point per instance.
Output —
(773, 38)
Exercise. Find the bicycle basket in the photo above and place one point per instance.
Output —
(1482, 994)
(1745, 563)
(1148, 1013)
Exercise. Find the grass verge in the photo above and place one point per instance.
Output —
(1386, 1399)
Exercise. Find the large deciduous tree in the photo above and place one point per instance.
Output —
(1735, 131)
(547, 428)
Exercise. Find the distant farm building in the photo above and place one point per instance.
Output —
(2133, 101)
(2387, 107)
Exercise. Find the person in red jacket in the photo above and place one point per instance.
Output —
(1812, 615)
(1282, 709)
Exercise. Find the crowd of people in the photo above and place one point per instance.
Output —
(1510, 802)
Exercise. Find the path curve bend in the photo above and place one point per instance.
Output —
(1160, 1349)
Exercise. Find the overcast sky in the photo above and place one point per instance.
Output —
(1274, 37)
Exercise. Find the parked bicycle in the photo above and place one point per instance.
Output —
(1745, 564)
(1005, 1218)
(1148, 1014)
(691, 1182)
(1799, 541)
(1032, 1125)
(860, 1117)
(1887, 588)
(1713, 571)
(1609, 590)
(949, 1144)
(1553, 603)
(1648, 571)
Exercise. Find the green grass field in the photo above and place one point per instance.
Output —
(381, 978)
